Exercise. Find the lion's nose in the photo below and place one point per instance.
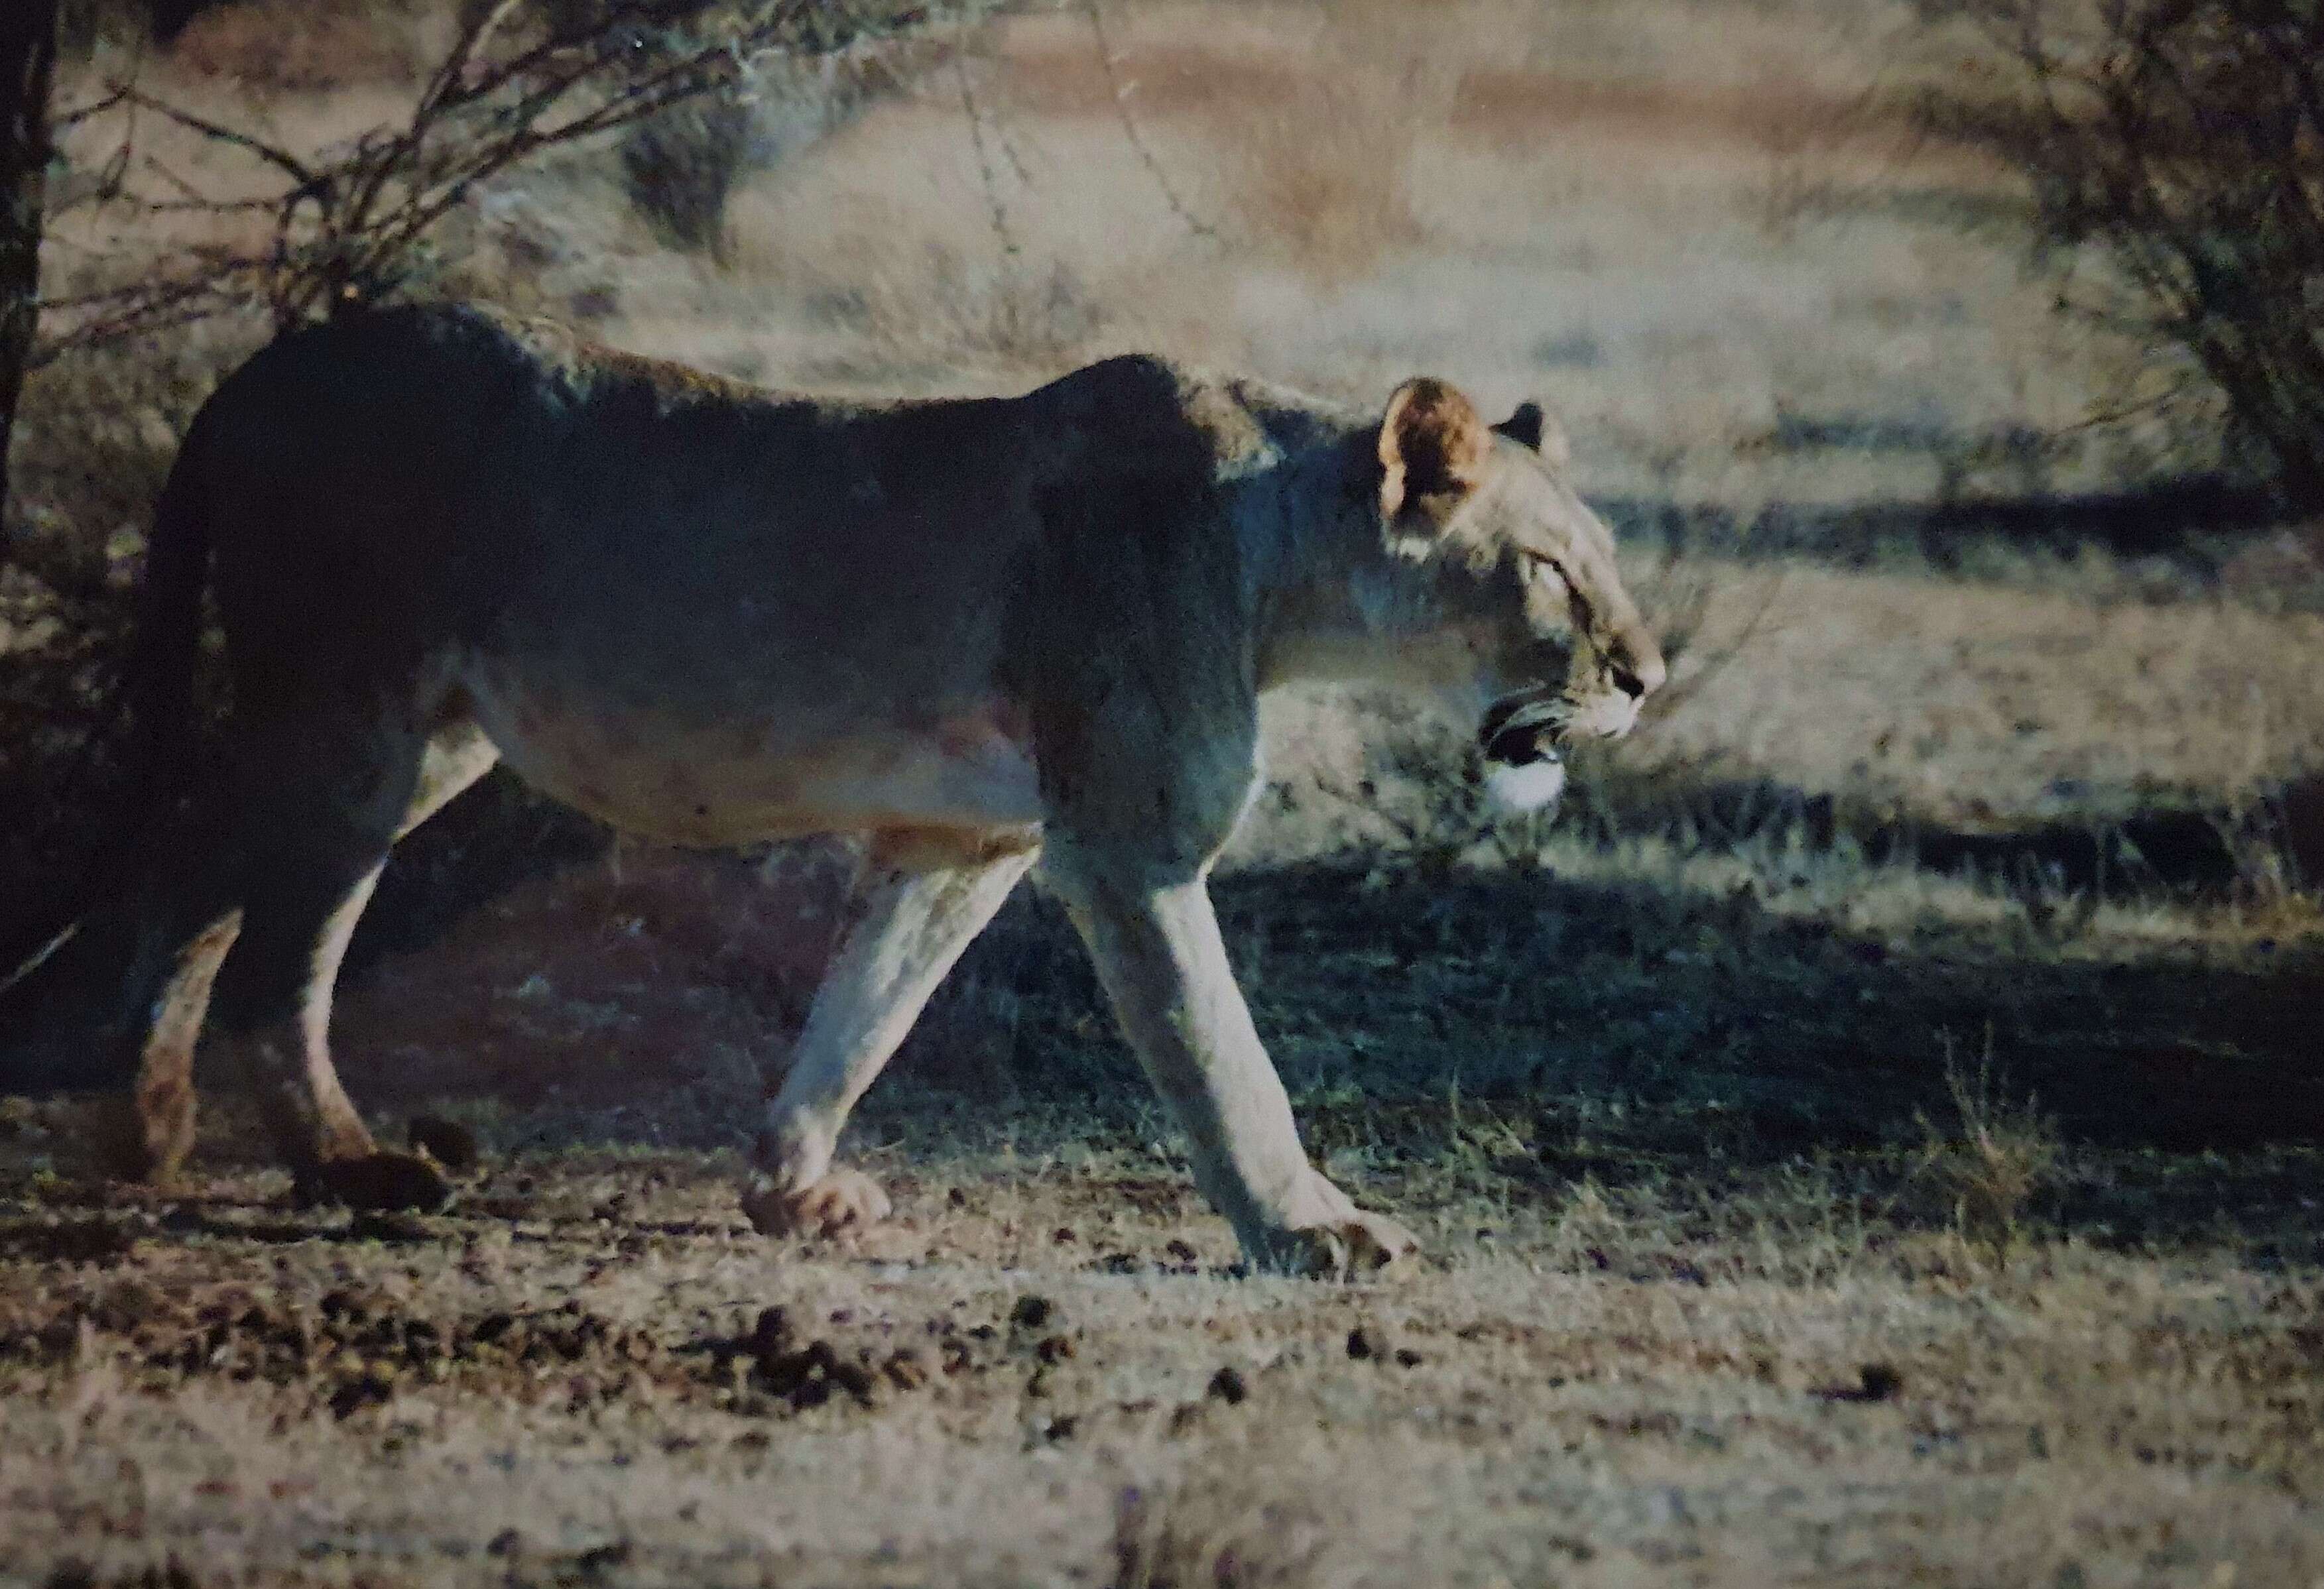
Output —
(1637, 675)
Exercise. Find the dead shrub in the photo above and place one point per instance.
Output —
(681, 167)
(99, 428)
(2183, 142)
(94, 443)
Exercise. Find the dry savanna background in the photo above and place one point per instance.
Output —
(1874, 1137)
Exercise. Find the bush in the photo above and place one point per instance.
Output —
(2184, 141)
(680, 166)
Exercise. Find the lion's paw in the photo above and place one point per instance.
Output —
(378, 1182)
(842, 1202)
(1330, 1236)
(1354, 1244)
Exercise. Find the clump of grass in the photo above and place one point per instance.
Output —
(1321, 173)
(1589, 1231)
(1201, 1536)
(945, 305)
(1999, 1154)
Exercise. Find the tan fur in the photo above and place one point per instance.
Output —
(986, 633)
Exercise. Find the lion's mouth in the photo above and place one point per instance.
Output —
(1522, 729)
(1523, 771)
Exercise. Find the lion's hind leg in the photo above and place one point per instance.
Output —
(317, 823)
(139, 997)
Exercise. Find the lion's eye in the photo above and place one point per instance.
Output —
(1547, 569)
(1546, 572)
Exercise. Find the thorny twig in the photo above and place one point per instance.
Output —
(1136, 137)
(997, 207)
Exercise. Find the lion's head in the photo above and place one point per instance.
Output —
(1520, 575)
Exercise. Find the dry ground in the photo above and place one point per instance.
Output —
(1724, 1287)
(582, 1382)
(1723, 1290)
(1727, 1285)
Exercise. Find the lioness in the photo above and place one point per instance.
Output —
(982, 632)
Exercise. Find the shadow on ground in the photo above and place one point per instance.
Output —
(1517, 1031)
(1559, 1032)
(1682, 1022)
(2192, 522)
(1781, 1035)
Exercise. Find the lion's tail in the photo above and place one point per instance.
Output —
(82, 970)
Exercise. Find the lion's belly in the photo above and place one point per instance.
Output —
(665, 777)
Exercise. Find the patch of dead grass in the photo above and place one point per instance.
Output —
(271, 47)
(1320, 171)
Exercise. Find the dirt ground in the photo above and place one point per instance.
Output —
(1877, 1137)
(1711, 1297)
(596, 1377)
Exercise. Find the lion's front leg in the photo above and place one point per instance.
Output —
(918, 923)
(1165, 966)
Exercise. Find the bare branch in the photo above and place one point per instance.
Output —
(349, 227)
(996, 210)
(65, 120)
(273, 155)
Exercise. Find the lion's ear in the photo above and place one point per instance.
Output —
(1532, 427)
(1432, 447)
(1525, 426)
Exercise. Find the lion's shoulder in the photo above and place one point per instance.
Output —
(1152, 415)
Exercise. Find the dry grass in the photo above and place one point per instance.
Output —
(1709, 1299)
(1320, 170)
(1998, 1155)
